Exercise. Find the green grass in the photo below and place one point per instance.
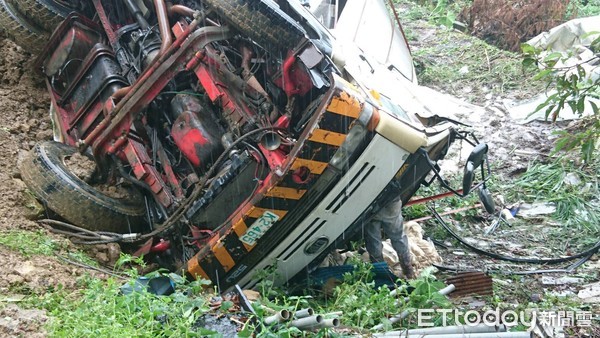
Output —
(468, 67)
(101, 310)
(30, 243)
(578, 206)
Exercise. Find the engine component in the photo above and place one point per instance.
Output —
(97, 79)
(194, 130)
(79, 36)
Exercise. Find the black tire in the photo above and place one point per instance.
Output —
(45, 173)
(17, 28)
(264, 23)
(46, 14)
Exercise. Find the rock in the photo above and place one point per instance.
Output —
(572, 179)
(251, 295)
(25, 269)
(536, 297)
(102, 257)
(590, 293)
(536, 209)
(547, 280)
(113, 252)
(17, 322)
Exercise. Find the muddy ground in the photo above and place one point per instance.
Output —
(24, 121)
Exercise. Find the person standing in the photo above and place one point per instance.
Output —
(390, 219)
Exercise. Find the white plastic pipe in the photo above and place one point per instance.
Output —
(462, 335)
(462, 329)
(307, 322)
(278, 317)
(334, 322)
(304, 313)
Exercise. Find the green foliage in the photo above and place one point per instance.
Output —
(30, 243)
(101, 310)
(361, 303)
(458, 61)
(439, 12)
(443, 14)
(574, 88)
(585, 8)
(576, 205)
(364, 306)
(415, 211)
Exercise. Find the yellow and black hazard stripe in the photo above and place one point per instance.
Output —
(322, 144)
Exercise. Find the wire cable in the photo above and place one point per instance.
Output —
(588, 252)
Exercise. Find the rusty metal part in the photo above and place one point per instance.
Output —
(103, 17)
(450, 212)
(119, 94)
(163, 25)
(431, 198)
(251, 79)
(471, 283)
(181, 10)
(155, 78)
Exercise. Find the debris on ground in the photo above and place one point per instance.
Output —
(471, 283)
(569, 45)
(549, 280)
(532, 210)
(590, 293)
(423, 253)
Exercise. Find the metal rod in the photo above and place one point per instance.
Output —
(181, 10)
(137, 13)
(163, 26)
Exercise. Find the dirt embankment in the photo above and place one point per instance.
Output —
(23, 122)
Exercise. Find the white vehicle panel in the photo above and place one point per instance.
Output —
(367, 178)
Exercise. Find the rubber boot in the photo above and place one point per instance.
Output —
(407, 268)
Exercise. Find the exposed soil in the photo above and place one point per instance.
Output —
(80, 166)
(17, 322)
(84, 167)
(23, 122)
